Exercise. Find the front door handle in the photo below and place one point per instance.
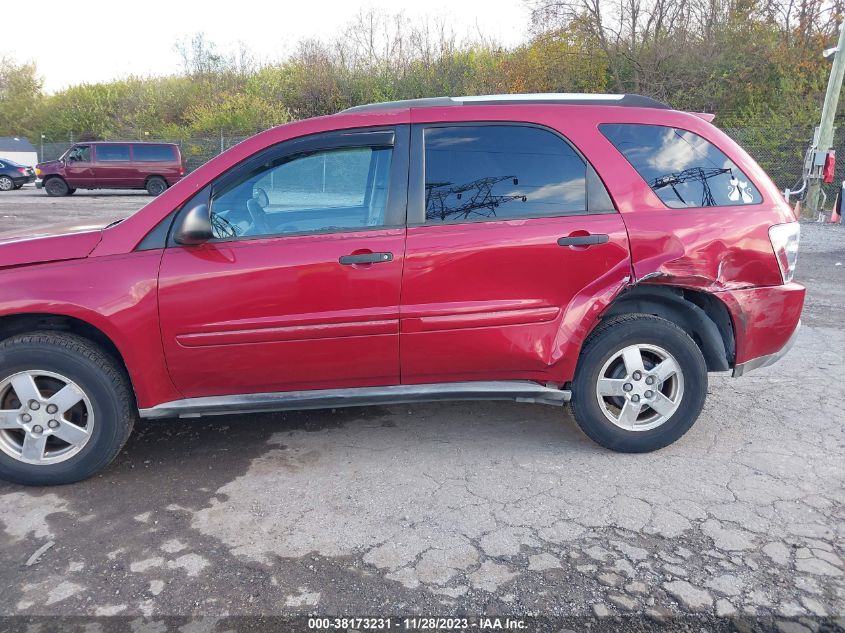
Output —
(366, 258)
(583, 240)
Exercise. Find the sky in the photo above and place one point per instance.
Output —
(97, 40)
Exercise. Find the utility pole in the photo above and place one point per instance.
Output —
(825, 132)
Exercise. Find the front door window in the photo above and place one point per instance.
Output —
(80, 154)
(317, 192)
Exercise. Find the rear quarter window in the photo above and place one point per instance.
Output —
(153, 153)
(682, 168)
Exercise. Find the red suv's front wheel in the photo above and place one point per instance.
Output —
(66, 408)
(640, 384)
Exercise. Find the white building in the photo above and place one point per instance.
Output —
(18, 150)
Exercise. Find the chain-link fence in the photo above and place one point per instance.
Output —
(780, 152)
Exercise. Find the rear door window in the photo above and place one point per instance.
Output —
(682, 168)
(500, 172)
(110, 153)
(152, 153)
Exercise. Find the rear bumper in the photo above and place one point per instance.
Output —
(764, 361)
(765, 321)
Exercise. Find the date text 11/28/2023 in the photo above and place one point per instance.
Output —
(418, 623)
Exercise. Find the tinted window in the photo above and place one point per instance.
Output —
(80, 154)
(682, 168)
(106, 153)
(320, 191)
(149, 153)
(500, 172)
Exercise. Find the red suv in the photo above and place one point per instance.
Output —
(600, 250)
(100, 165)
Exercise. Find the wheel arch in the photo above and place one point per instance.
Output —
(14, 324)
(702, 316)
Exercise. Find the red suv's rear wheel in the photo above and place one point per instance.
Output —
(640, 385)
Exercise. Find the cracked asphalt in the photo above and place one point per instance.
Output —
(457, 508)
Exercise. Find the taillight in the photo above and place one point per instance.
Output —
(784, 238)
(22, 170)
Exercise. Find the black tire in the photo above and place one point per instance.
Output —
(156, 186)
(19, 186)
(609, 339)
(56, 187)
(6, 183)
(103, 381)
(70, 192)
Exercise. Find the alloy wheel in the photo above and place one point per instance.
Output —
(45, 418)
(640, 387)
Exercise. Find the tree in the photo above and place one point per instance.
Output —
(20, 98)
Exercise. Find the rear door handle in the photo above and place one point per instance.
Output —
(583, 240)
(366, 258)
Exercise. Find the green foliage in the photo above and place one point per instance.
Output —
(556, 61)
(739, 61)
(20, 98)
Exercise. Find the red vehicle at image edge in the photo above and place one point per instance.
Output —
(112, 165)
(602, 250)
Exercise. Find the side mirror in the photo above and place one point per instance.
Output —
(194, 227)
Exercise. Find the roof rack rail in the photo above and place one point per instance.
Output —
(558, 98)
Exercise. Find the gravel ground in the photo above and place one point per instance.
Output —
(466, 508)
(31, 207)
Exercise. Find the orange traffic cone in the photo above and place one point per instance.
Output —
(835, 218)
